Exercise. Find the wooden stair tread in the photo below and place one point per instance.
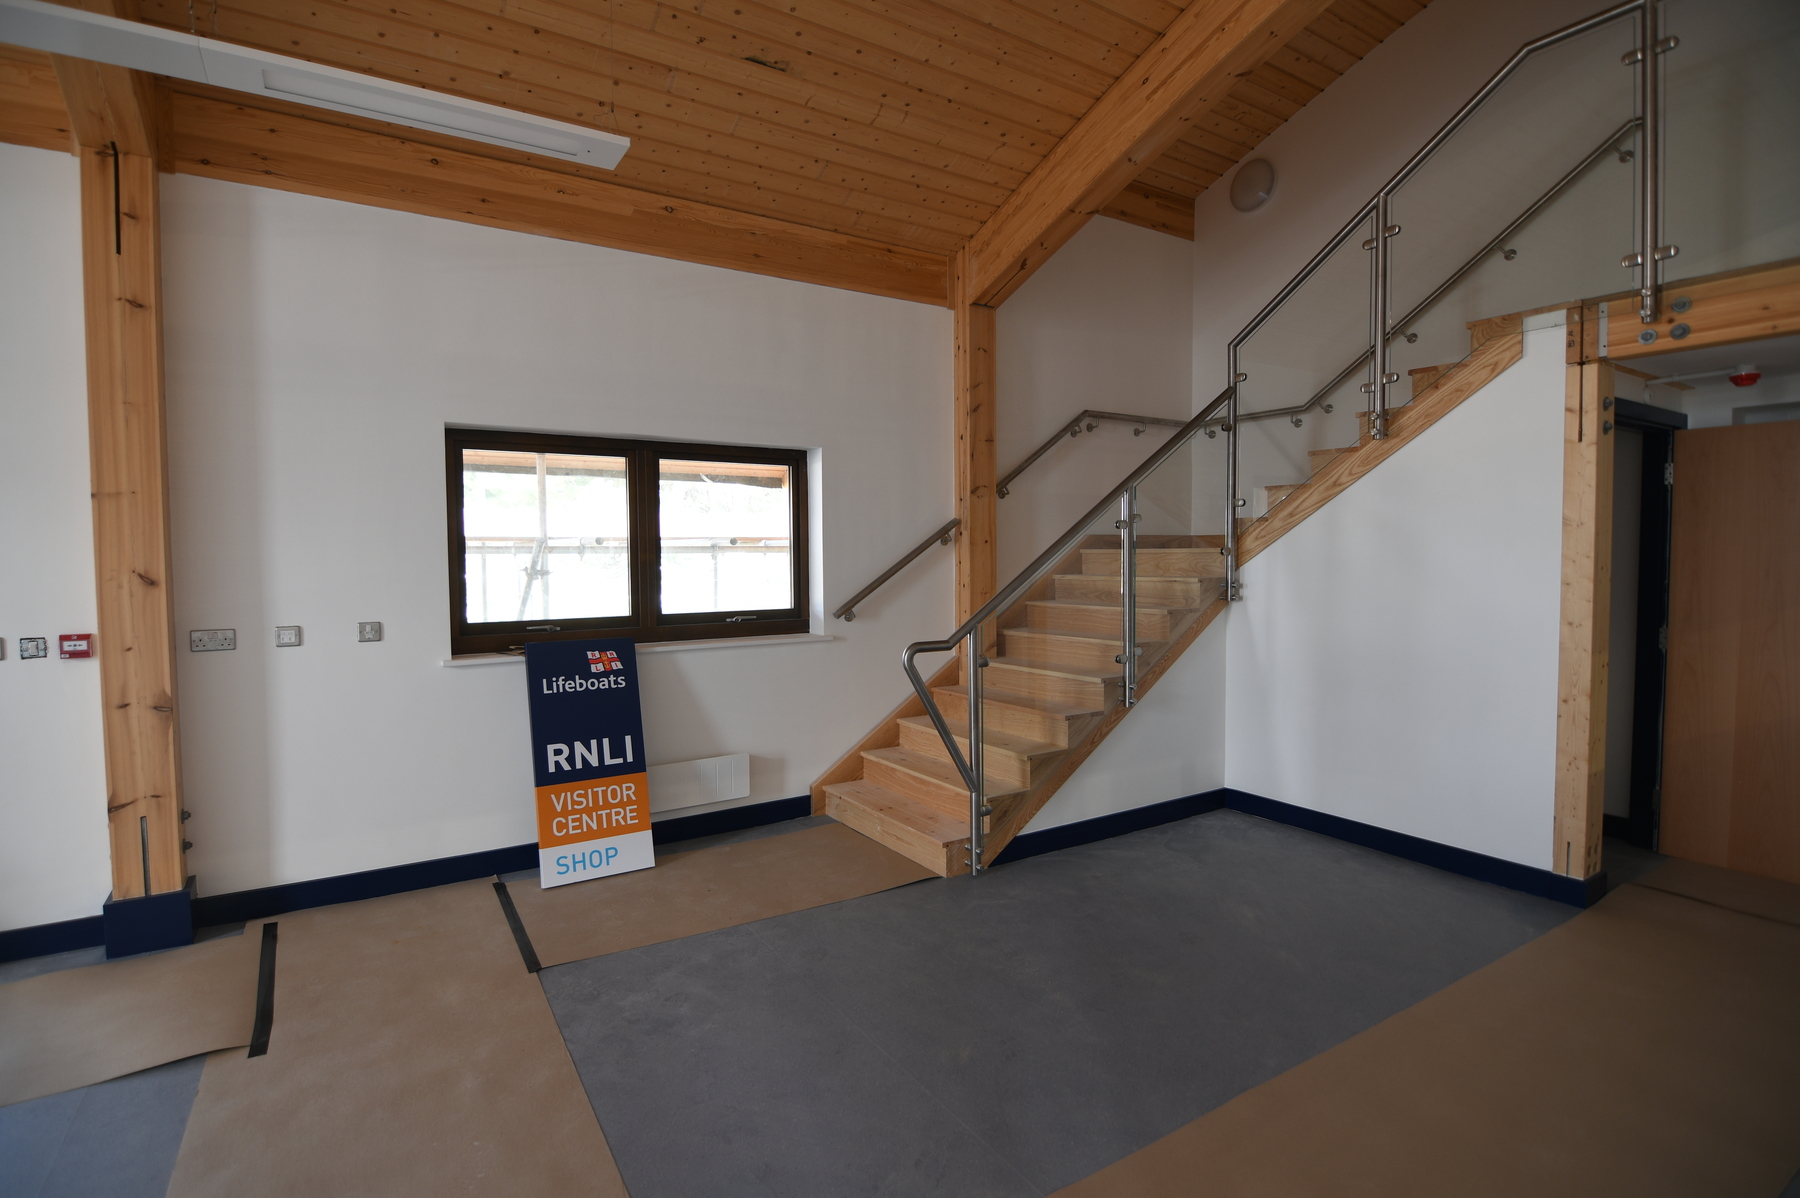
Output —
(1035, 703)
(936, 769)
(1142, 578)
(1084, 637)
(1101, 603)
(1037, 666)
(929, 822)
(1017, 745)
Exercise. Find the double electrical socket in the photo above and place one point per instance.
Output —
(211, 640)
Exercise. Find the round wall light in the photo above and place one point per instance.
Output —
(1252, 185)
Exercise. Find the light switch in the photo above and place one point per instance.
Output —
(211, 640)
(287, 636)
(34, 646)
(369, 630)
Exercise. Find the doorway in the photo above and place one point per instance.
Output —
(1642, 473)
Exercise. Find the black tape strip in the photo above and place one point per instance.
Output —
(265, 995)
(518, 929)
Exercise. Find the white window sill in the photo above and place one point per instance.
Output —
(729, 642)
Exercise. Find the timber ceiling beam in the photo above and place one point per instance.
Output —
(363, 162)
(1178, 79)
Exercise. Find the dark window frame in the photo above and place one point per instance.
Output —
(648, 623)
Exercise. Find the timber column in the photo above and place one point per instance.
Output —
(976, 562)
(110, 111)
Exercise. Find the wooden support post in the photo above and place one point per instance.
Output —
(1586, 610)
(976, 563)
(110, 115)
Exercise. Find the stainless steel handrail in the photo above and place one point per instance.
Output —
(847, 611)
(1608, 146)
(1418, 160)
(1073, 428)
(969, 632)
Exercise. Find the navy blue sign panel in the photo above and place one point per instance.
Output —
(587, 748)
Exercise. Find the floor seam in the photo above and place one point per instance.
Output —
(907, 1073)
(1719, 906)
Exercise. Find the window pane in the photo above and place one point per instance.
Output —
(727, 530)
(548, 536)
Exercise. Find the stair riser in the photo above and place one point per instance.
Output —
(934, 794)
(1042, 726)
(1003, 767)
(1163, 592)
(1158, 563)
(1100, 656)
(1070, 692)
(1153, 623)
(945, 860)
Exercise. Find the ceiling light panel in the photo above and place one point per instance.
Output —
(77, 34)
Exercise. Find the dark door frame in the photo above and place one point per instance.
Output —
(1658, 426)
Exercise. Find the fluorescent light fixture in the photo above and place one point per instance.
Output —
(77, 34)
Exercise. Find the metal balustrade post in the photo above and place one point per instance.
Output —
(1127, 524)
(1231, 475)
(1649, 166)
(1378, 319)
(978, 807)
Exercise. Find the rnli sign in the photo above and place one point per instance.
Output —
(587, 743)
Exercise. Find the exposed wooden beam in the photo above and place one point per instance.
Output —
(1183, 75)
(1153, 208)
(31, 103)
(973, 422)
(114, 127)
(1586, 605)
(222, 139)
(1741, 305)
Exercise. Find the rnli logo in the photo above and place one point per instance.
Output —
(602, 660)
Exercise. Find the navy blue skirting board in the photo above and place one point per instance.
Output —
(238, 906)
(241, 905)
(1577, 892)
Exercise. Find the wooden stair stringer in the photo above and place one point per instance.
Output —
(1010, 823)
(1452, 387)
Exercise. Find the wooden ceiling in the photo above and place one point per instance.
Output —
(905, 123)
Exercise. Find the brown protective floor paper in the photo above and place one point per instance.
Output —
(411, 1054)
(77, 1027)
(1649, 1047)
(708, 889)
(1767, 897)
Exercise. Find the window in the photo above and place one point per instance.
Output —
(555, 538)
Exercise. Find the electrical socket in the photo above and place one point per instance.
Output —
(369, 630)
(211, 640)
(287, 636)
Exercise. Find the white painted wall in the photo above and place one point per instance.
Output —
(316, 352)
(1394, 657)
(1104, 325)
(53, 857)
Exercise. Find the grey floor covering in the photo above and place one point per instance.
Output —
(117, 1139)
(1012, 1034)
(1003, 1036)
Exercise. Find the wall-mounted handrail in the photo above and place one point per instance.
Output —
(1072, 429)
(847, 612)
(1608, 146)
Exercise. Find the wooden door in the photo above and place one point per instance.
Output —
(1731, 756)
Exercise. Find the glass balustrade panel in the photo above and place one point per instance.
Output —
(1731, 153)
(1304, 369)
(1527, 207)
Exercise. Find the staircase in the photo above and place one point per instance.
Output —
(1052, 685)
(1049, 686)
